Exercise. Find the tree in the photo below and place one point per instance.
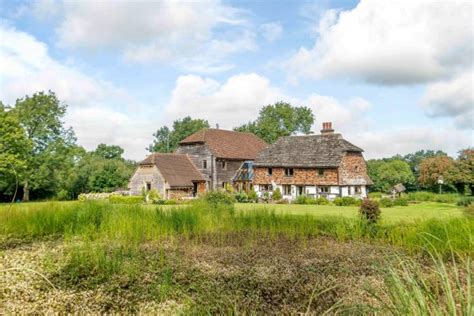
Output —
(386, 173)
(280, 119)
(167, 140)
(435, 168)
(109, 151)
(14, 147)
(101, 170)
(40, 117)
(414, 160)
(463, 171)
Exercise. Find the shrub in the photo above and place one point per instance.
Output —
(170, 202)
(386, 202)
(345, 201)
(369, 210)
(63, 195)
(322, 201)
(241, 197)
(401, 201)
(375, 195)
(252, 196)
(276, 195)
(228, 188)
(465, 201)
(216, 198)
(131, 199)
(304, 199)
(153, 196)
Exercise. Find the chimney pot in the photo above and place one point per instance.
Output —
(327, 128)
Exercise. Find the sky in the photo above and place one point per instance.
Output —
(393, 76)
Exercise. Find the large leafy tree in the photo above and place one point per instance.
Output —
(14, 148)
(463, 171)
(385, 173)
(167, 140)
(414, 160)
(101, 170)
(280, 119)
(40, 116)
(436, 168)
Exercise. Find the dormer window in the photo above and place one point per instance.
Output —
(288, 172)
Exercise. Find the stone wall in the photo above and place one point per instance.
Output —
(144, 174)
(353, 170)
(178, 194)
(308, 176)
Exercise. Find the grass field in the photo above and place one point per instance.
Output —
(204, 259)
(413, 212)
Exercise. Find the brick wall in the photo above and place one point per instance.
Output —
(353, 170)
(300, 176)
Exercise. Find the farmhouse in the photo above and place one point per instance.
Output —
(173, 175)
(218, 154)
(315, 165)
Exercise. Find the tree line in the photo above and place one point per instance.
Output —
(43, 155)
(37, 150)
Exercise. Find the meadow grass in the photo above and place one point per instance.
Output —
(107, 242)
(134, 224)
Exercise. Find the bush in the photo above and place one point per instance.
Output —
(131, 199)
(216, 198)
(375, 195)
(170, 202)
(276, 195)
(401, 201)
(322, 201)
(345, 201)
(63, 195)
(241, 197)
(369, 210)
(252, 196)
(304, 199)
(386, 202)
(465, 201)
(153, 196)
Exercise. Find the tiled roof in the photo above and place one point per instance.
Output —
(177, 169)
(228, 144)
(306, 151)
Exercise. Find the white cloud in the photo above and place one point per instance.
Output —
(229, 104)
(390, 42)
(452, 98)
(158, 31)
(238, 100)
(389, 142)
(98, 111)
(271, 31)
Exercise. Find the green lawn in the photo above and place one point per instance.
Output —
(413, 212)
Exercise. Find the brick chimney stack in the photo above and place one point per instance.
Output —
(327, 128)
